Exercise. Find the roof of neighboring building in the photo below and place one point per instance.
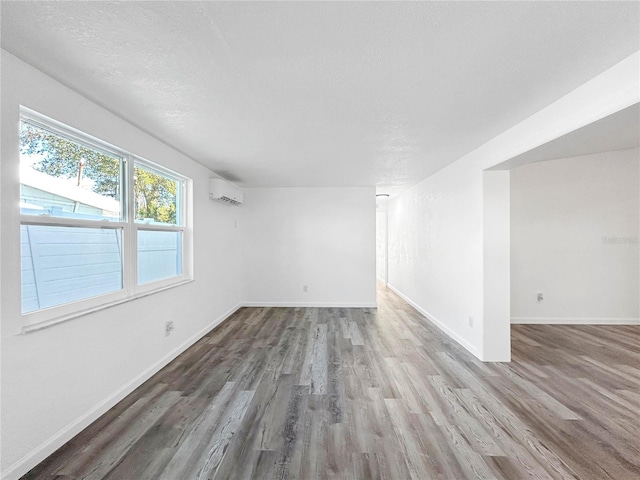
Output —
(65, 188)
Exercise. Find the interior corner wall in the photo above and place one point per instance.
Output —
(574, 230)
(436, 227)
(57, 380)
(323, 238)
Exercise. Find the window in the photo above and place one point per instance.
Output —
(98, 225)
(158, 214)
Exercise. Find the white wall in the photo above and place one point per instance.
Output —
(574, 238)
(382, 239)
(436, 228)
(496, 255)
(381, 246)
(57, 380)
(320, 237)
(435, 250)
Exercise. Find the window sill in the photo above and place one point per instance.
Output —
(63, 318)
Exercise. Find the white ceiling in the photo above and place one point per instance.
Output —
(322, 94)
(618, 131)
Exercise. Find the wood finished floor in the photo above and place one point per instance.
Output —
(358, 393)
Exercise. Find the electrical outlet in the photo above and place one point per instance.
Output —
(168, 328)
(470, 321)
(540, 298)
(305, 288)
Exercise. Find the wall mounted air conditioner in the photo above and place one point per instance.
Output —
(222, 191)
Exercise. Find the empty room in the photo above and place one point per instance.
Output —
(320, 240)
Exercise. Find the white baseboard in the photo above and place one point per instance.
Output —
(436, 322)
(312, 304)
(50, 445)
(574, 321)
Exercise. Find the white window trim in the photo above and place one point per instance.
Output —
(47, 317)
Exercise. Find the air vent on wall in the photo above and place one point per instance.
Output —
(223, 191)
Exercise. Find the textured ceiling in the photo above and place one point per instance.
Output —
(322, 94)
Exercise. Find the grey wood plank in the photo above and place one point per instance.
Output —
(197, 439)
(110, 457)
(319, 361)
(216, 448)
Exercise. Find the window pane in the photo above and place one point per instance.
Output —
(156, 197)
(159, 255)
(66, 264)
(64, 178)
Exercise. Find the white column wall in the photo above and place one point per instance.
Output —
(496, 344)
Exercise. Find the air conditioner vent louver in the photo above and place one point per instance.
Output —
(224, 192)
(229, 201)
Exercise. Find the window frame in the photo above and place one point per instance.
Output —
(145, 226)
(130, 290)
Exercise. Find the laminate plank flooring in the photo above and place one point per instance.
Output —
(332, 393)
